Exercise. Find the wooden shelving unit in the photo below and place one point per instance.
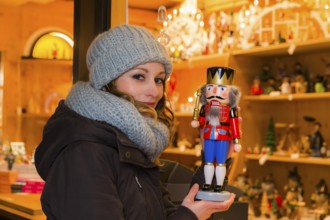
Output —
(286, 109)
(257, 110)
(317, 45)
(288, 97)
(301, 160)
(56, 62)
(183, 114)
(44, 82)
(201, 61)
(186, 151)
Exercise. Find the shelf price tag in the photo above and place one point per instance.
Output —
(263, 159)
(292, 48)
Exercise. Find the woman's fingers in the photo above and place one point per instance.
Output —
(192, 193)
(221, 206)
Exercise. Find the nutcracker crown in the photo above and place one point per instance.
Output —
(220, 75)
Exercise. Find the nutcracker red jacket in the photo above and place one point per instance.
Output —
(92, 171)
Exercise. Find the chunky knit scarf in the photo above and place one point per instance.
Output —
(151, 136)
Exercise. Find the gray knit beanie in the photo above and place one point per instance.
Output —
(120, 49)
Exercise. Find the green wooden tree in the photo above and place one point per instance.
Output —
(270, 136)
(274, 207)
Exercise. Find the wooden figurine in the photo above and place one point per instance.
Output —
(270, 85)
(286, 86)
(293, 195)
(316, 140)
(319, 84)
(266, 73)
(299, 84)
(218, 123)
(320, 199)
(10, 158)
(255, 196)
(256, 88)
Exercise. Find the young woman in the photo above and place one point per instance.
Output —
(99, 150)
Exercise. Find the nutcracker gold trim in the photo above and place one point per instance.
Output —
(220, 76)
(196, 109)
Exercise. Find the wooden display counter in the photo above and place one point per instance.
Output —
(21, 206)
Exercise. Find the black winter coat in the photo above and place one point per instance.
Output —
(92, 171)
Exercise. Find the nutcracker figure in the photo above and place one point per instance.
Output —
(218, 122)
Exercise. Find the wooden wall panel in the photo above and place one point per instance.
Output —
(19, 24)
(45, 83)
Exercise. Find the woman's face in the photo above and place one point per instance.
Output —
(145, 83)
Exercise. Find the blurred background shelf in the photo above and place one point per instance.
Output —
(287, 97)
(310, 46)
(301, 160)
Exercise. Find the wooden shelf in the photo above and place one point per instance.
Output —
(303, 160)
(22, 206)
(287, 97)
(47, 61)
(282, 49)
(202, 61)
(278, 49)
(183, 114)
(291, 109)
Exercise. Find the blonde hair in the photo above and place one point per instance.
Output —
(161, 113)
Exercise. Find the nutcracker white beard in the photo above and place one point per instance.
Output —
(213, 116)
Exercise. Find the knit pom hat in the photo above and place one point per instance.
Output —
(120, 49)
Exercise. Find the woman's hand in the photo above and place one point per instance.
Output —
(204, 209)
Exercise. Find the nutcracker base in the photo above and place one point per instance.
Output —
(213, 196)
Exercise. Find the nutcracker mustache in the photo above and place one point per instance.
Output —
(212, 97)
